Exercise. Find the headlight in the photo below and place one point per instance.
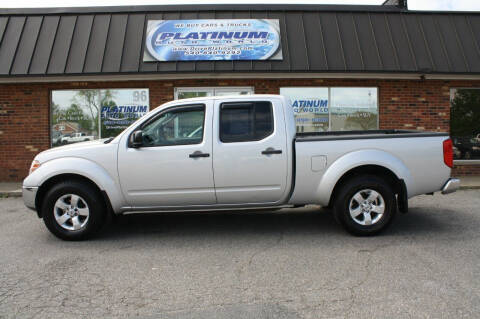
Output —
(35, 164)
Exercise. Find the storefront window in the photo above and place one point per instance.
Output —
(84, 115)
(465, 123)
(319, 109)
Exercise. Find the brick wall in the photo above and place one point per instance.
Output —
(24, 109)
(466, 170)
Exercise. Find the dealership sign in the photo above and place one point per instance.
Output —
(219, 39)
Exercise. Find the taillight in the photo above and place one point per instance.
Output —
(448, 153)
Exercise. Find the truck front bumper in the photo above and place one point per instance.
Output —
(29, 194)
(451, 186)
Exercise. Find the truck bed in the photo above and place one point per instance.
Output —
(369, 134)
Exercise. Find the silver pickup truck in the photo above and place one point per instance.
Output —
(237, 152)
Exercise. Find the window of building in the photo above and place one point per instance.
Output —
(83, 115)
(319, 109)
(190, 92)
(465, 123)
(182, 126)
(242, 122)
(353, 109)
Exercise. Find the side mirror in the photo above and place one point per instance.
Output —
(136, 139)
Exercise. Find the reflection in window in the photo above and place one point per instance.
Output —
(465, 123)
(84, 115)
(176, 127)
(353, 109)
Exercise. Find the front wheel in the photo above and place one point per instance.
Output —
(73, 210)
(365, 205)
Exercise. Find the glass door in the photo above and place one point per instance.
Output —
(190, 92)
(233, 91)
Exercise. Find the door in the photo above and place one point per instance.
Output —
(250, 152)
(174, 165)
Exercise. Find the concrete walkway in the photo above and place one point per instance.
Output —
(11, 189)
(15, 189)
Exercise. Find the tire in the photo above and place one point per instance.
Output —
(372, 216)
(60, 216)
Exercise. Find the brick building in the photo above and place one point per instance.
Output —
(67, 70)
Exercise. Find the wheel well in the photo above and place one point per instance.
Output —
(398, 185)
(49, 183)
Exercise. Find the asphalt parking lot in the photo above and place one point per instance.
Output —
(284, 264)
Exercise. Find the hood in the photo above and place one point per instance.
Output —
(81, 149)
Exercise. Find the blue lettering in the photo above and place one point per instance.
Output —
(258, 35)
(240, 35)
(165, 35)
(192, 35)
(225, 35)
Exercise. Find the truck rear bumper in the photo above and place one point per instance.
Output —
(451, 186)
(28, 194)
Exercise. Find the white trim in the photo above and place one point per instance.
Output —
(236, 75)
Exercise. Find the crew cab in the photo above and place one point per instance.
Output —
(235, 152)
(75, 138)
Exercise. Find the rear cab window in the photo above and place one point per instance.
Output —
(245, 121)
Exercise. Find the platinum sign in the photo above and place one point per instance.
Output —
(220, 39)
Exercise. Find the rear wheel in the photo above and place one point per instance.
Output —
(365, 205)
(73, 210)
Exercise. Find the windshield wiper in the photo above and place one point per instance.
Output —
(108, 140)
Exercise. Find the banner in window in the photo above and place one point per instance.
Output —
(310, 107)
(214, 39)
(120, 108)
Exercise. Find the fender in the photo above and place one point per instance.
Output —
(355, 159)
(79, 166)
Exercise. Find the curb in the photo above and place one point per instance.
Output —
(11, 194)
(470, 187)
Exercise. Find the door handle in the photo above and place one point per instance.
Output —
(198, 154)
(270, 151)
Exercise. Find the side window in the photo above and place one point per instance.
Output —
(242, 122)
(181, 126)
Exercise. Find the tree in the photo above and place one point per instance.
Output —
(465, 113)
(93, 99)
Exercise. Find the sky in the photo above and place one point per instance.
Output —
(459, 5)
